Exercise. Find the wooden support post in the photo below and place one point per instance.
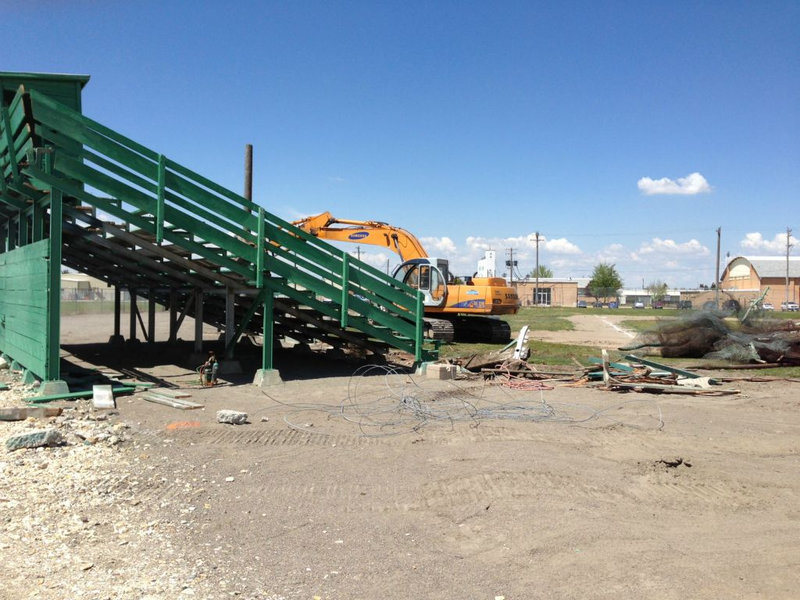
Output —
(151, 318)
(260, 249)
(162, 178)
(420, 332)
(38, 222)
(345, 290)
(268, 332)
(117, 311)
(133, 311)
(230, 321)
(53, 344)
(173, 316)
(23, 229)
(198, 320)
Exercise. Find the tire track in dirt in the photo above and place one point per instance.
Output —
(269, 437)
(502, 485)
(675, 487)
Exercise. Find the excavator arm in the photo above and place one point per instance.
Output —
(375, 233)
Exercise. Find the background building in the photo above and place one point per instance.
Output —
(747, 277)
(553, 291)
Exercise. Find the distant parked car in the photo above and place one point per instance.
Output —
(684, 304)
(597, 305)
(658, 304)
(581, 304)
(767, 306)
(792, 306)
(638, 305)
(613, 305)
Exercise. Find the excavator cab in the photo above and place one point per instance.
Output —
(423, 275)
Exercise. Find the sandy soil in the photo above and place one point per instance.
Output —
(603, 331)
(386, 485)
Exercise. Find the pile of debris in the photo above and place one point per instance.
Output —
(79, 424)
(643, 375)
(711, 335)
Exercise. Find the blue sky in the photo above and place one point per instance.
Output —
(624, 132)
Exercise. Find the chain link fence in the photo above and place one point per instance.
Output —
(86, 300)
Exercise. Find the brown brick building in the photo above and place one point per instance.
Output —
(747, 277)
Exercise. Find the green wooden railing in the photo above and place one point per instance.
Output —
(50, 146)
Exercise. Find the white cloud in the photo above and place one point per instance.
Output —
(671, 248)
(438, 246)
(690, 185)
(777, 245)
(561, 246)
(612, 254)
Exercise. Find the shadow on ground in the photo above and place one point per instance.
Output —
(161, 362)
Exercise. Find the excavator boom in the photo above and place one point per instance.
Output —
(375, 233)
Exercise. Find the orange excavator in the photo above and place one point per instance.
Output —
(453, 311)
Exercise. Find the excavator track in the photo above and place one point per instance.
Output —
(485, 330)
(439, 329)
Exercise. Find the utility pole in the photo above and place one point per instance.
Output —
(716, 279)
(788, 247)
(510, 264)
(536, 288)
(248, 172)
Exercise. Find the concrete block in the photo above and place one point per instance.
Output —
(440, 371)
(267, 378)
(103, 397)
(28, 378)
(53, 388)
(35, 439)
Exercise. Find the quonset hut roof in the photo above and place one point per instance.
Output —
(770, 266)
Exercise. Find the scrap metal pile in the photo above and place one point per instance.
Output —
(710, 335)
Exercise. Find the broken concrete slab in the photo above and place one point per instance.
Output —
(35, 439)
(232, 417)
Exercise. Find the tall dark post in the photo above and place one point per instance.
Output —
(536, 289)
(788, 248)
(716, 280)
(248, 176)
(248, 172)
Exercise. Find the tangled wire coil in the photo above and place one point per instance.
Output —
(382, 401)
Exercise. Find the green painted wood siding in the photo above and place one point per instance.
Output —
(24, 306)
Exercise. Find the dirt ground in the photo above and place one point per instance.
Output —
(372, 483)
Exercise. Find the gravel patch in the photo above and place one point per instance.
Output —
(72, 520)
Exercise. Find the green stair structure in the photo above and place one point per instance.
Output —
(75, 193)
